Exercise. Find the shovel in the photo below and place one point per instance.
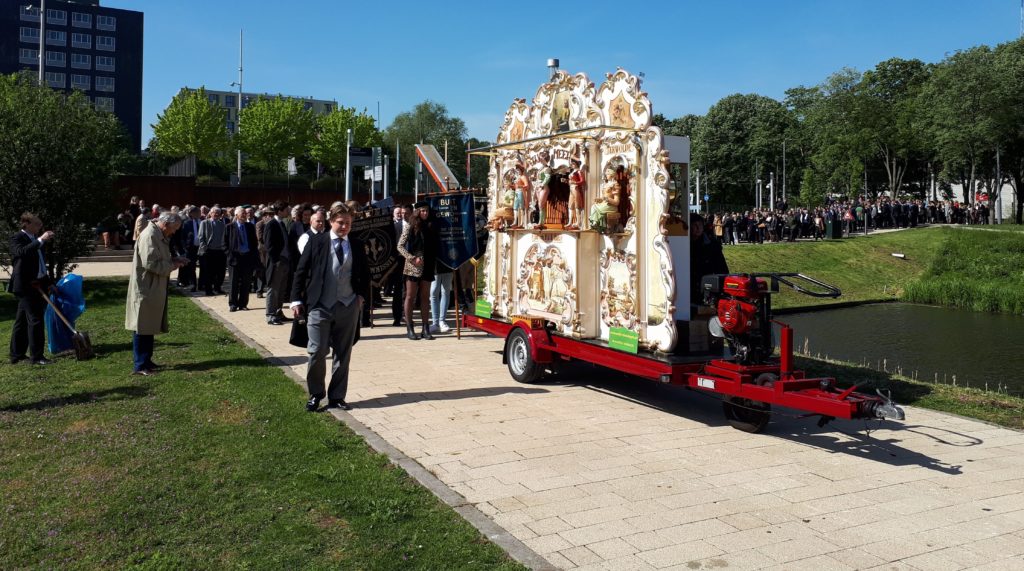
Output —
(80, 339)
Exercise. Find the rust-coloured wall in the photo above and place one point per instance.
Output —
(178, 190)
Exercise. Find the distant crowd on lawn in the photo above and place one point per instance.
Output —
(783, 223)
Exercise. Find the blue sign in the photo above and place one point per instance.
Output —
(455, 224)
(707, 197)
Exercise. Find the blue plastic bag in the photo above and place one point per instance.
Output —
(71, 302)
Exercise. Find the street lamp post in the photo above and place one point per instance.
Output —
(238, 111)
(42, 38)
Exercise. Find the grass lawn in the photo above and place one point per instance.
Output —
(213, 463)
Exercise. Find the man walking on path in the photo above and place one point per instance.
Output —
(28, 280)
(332, 282)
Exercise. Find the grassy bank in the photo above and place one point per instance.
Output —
(993, 407)
(975, 269)
(213, 463)
(862, 267)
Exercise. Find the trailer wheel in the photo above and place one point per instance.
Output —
(746, 415)
(750, 415)
(521, 365)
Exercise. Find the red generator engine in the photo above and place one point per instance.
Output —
(744, 309)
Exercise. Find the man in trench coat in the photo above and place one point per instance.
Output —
(146, 306)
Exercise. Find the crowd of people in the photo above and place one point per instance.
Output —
(783, 223)
(302, 260)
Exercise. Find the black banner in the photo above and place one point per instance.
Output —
(377, 233)
(455, 217)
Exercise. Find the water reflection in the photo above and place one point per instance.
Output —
(929, 342)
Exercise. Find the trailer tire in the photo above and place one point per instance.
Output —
(746, 415)
(521, 365)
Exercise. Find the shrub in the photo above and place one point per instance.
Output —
(328, 183)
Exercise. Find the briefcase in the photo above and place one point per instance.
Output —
(299, 335)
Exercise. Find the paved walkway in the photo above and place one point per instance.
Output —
(596, 471)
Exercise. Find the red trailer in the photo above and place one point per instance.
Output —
(750, 380)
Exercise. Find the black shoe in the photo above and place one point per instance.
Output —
(193, 289)
(426, 332)
(259, 295)
(410, 332)
(220, 291)
(16, 360)
(209, 292)
(313, 404)
(396, 323)
(42, 362)
(275, 321)
(339, 404)
(153, 367)
(232, 308)
(144, 373)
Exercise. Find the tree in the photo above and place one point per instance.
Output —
(736, 142)
(191, 125)
(273, 129)
(1009, 73)
(960, 111)
(329, 145)
(429, 123)
(888, 115)
(57, 157)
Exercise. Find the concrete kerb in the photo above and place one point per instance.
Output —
(485, 525)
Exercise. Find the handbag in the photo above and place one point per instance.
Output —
(299, 336)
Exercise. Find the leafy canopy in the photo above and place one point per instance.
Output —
(191, 125)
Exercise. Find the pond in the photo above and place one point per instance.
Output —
(925, 342)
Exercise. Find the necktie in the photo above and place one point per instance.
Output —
(339, 250)
(245, 239)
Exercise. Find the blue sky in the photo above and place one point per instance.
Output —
(475, 57)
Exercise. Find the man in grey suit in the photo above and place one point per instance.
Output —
(332, 282)
(212, 252)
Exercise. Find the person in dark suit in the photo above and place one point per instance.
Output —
(28, 275)
(242, 256)
(275, 236)
(332, 282)
(396, 283)
(190, 241)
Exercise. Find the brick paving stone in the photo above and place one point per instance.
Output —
(579, 474)
(680, 554)
(581, 556)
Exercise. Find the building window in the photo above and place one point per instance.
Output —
(81, 61)
(105, 103)
(56, 59)
(28, 55)
(230, 101)
(307, 105)
(231, 126)
(30, 35)
(81, 41)
(105, 63)
(327, 108)
(213, 98)
(58, 17)
(81, 20)
(80, 82)
(56, 38)
(55, 79)
(30, 13)
(106, 23)
(245, 101)
(105, 43)
(104, 83)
